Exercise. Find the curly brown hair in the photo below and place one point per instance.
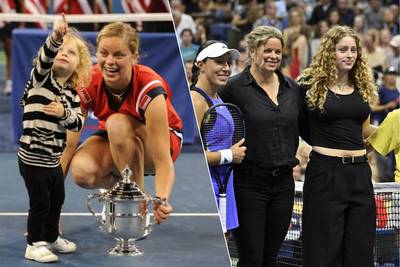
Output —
(323, 72)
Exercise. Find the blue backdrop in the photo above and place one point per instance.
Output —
(157, 50)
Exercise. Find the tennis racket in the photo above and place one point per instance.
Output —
(222, 126)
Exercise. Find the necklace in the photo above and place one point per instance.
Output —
(117, 95)
(118, 98)
(341, 86)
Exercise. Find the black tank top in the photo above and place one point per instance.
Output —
(339, 125)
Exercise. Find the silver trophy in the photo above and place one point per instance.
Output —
(126, 216)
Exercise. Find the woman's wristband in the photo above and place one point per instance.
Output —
(226, 156)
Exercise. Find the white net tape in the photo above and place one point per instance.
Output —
(378, 187)
(88, 18)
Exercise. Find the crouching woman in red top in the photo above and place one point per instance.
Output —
(138, 124)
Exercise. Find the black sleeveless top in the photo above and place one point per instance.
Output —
(339, 125)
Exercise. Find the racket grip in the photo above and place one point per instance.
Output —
(222, 211)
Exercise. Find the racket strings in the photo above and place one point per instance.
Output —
(222, 126)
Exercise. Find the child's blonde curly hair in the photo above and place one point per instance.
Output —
(82, 75)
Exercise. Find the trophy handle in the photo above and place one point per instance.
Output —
(98, 217)
(154, 200)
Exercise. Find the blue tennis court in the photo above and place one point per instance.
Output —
(191, 237)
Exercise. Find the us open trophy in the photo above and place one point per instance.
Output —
(126, 215)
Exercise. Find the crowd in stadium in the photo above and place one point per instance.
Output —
(302, 23)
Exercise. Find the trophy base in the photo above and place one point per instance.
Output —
(125, 248)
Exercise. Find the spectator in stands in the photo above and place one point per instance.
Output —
(269, 17)
(390, 22)
(359, 26)
(339, 207)
(394, 61)
(346, 13)
(6, 29)
(384, 42)
(387, 139)
(321, 29)
(374, 16)
(389, 96)
(297, 49)
(188, 49)
(191, 7)
(240, 63)
(395, 9)
(333, 17)
(201, 35)
(220, 11)
(376, 57)
(243, 44)
(188, 71)
(321, 11)
(361, 7)
(182, 21)
(203, 5)
(281, 9)
(244, 16)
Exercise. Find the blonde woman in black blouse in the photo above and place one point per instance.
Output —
(264, 188)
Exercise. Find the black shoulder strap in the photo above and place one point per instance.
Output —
(206, 97)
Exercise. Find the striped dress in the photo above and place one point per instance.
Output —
(44, 136)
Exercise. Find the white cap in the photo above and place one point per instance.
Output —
(217, 50)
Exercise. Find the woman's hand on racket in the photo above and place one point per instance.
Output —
(162, 211)
(238, 151)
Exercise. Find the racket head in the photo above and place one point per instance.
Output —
(222, 126)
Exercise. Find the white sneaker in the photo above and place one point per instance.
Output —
(62, 245)
(39, 252)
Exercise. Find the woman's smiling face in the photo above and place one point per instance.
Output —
(115, 61)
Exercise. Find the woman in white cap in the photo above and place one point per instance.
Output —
(264, 187)
(211, 70)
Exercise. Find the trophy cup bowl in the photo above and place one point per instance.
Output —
(126, 215)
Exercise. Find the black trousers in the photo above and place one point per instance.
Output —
(264, 202)
(338, 214)
(46, 196)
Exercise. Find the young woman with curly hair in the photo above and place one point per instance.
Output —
(339, 207)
